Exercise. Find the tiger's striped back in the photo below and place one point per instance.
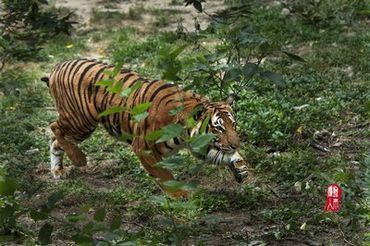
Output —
(79, 101)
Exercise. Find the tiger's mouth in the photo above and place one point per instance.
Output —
(232, 159)
(224, 149)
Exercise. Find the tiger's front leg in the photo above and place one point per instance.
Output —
(161, 175)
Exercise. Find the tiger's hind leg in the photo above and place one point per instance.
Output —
(66, 141)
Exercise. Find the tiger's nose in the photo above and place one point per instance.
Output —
(234, 146)
(234, 141)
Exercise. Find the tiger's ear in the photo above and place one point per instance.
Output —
(230, 99)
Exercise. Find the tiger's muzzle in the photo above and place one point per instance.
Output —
(234, 161)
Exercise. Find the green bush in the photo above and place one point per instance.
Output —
(26, 25)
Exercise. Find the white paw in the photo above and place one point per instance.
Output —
(60, 173)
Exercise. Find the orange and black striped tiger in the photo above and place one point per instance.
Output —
(79, 102)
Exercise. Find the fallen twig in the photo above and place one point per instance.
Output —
(319, 147)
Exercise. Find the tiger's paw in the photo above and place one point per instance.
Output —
(60, 173)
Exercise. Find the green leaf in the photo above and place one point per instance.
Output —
(75, 218)
(294, 57)
(100, 214)
(249, 70)
(117, 68)
(170, 73)
(138, 84)
(7, 186)
(128, 91)
(140, 117)
(85, 208)
(204, 125)
(88, 228)
(177, 51)
(154, 135)
(125, 136)
(232, 74)
(176, 110)
(109, 72)
(172, 162)
(211, 58)
(198, 143)
(45, 234)
(105, 82)
(192, 185)
(160, 200)
(112, 110)
(82, 240)
(170, 131)
(54, 198)
(367, 108)
(128, 243)
(116, 88)
(7, 238)
(36, 215)
(173, 185)
(116, 223)
(6, 212)
(140, 108)
(364, 12)
(190, 122)
(139, 111)
(276, 78)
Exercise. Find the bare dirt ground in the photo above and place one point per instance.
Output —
(84, 8)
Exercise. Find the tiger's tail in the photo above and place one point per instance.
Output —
(46, 80)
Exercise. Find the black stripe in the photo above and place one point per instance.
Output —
(156, 148)
(127, 77)
(147, 88)
(167, 146)
(176, 141)
(90, 89)
(81, 102)
(159, 90)
(165, 97)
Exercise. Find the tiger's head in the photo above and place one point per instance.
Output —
(223, 150)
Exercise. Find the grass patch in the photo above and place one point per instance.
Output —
(106, 16)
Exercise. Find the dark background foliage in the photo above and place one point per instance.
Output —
(25, 25)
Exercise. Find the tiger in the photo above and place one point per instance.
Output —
(80, 102)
